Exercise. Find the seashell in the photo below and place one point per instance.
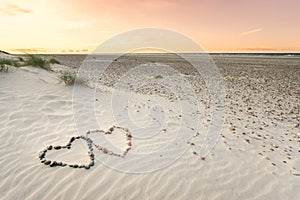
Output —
(105, 150)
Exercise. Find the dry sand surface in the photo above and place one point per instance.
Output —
(256, 156)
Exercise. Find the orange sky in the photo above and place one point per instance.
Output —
(70, 26)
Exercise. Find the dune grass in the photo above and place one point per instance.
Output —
(69, 78)
(4, 62)
(9, 62)
(36, 61)
(54, 61)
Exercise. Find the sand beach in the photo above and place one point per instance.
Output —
(256, 155)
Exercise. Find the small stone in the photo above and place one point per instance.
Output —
(53, 164)
(49, 147)
(91, 163)
(72, 139)
(42, 161)
(59, 163)
(247, 140)
(47, 162)
(202, 158)
(274, 164)
(57, 147)
(194, 152)
(75, 166)
(92, 155)
(87, 166)
(42, 155)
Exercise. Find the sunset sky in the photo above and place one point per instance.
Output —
(79, 26)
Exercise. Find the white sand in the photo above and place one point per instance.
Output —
(36, 111)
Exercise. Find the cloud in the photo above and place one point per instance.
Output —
(251, 32)
(13, 9)
(30, 50)
(75, 51)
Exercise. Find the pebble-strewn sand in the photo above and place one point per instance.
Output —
(257, 156)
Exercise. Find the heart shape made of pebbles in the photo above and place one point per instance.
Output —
(108, 132)
(90, 143)
(53, 163)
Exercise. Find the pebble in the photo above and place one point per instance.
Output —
(72, 140)
(91, 163)
(57, 147)
(47, 162)
(53, 164)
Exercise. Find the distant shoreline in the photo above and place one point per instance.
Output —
(211, 54)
